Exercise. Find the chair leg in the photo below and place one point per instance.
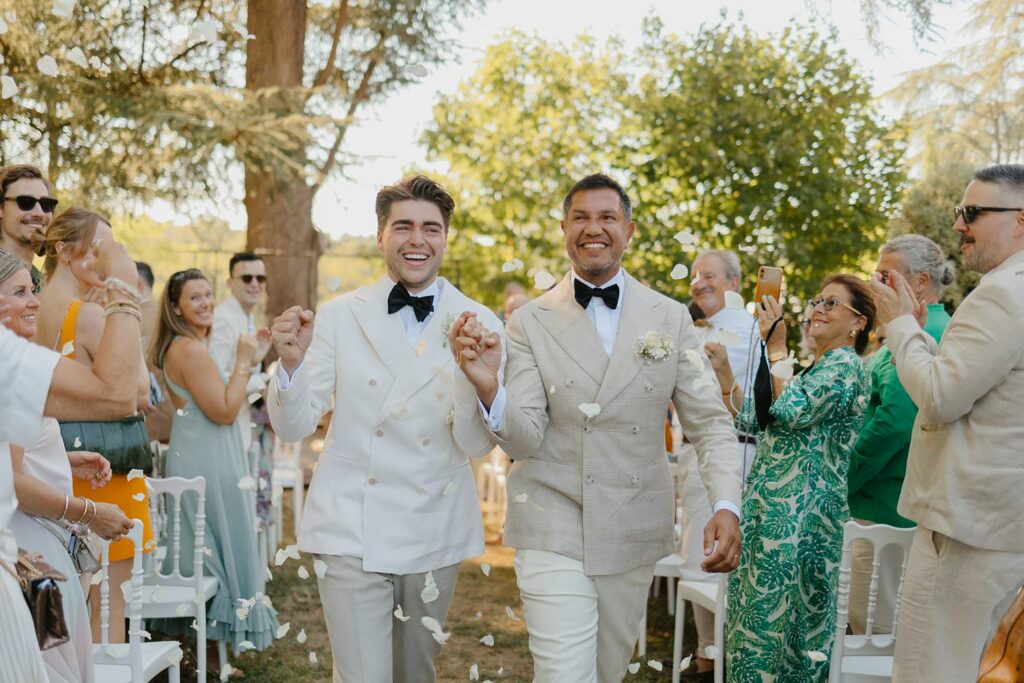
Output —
(299, 486)
(200, 646)
(222, 653)
(677, 636)
(656, 587)
(174, 674)
(641, 643)
(671, 591)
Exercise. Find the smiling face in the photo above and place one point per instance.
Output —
(18, 226)
(596, 234)
(17, 293)
(992, 236)
(710, 283)
(195, 305)
(248, 293)
(413, 241)
(831, 329)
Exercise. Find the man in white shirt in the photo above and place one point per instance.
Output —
(593, 364)
(715, 289)
(392, 507)
(247, 280)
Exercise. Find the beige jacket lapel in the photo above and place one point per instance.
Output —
(385, 333)
(569, 325)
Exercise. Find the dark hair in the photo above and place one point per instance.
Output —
(599, 181)
(861, 299)
(171, 324)
(145, 272)
(1008, 175)
(241, 257)
(414, 187)
(10, 174)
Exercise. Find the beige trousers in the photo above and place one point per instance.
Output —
(582, 628)
(369, 644)
(952, 600)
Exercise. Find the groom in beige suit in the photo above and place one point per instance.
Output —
(582, 413)
(965, 472)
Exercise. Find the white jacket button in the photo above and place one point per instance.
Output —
(371, 481)
(379, 432)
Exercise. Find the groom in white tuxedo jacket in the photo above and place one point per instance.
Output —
(392, 507)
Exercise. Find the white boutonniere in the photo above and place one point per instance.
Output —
(446, 327)
(653, 345)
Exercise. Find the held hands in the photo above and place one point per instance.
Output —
(724, 556)
(768, 311)
(292, 333)
(477, 352)
(895, 299)
(90, 467)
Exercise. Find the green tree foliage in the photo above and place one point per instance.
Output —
(769, 146)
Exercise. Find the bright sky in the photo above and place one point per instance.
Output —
(386, 136)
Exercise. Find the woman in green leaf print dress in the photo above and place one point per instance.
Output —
(782, 597)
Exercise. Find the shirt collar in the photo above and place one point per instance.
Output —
(619, 279)
(433, 289)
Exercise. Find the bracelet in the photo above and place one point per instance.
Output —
(84, 512)
(118, 285)
(64, 515)
(734, 387)
(95, 511)
(123, 307)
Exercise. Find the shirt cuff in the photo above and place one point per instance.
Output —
(283, 380)
(495, 417)
(726, 505)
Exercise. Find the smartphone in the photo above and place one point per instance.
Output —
(769, 283)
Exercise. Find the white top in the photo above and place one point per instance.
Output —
(744, 326)
(47, 459)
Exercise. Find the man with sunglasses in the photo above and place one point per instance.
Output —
(26, 210)
(247, 279)
(964, 473)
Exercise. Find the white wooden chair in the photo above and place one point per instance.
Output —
(667, 568)
(492, 476)
(287, 474)
(134, 661)
(711, 596)
(172, 596)
(865, 658)
(266, 534)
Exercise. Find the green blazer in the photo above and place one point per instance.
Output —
(879, 459)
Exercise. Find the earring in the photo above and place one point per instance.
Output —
(853, 333)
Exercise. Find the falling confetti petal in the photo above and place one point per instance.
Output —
(816, 656)
(95, 62)
(63, 8)
(544, 280)
(485, 568)
(488, 640)
(474, 672)
(263, 484)
(8, 88)
(203, 31)
(247, 483)
(282, 630)
(432, 625)
(280, 557)
(430, 591)
(78, 442)
(728, 338)
(333, 283)
(685, 238)
(303, 573)
(68, 349)
(633, 667)
(246, 645)
(733, 300)
(399, 614)
(312, 657)
(520, 498)
(679, 272)
(510, 613)
(748, 248)
(77, 57)
(255, 396)
(398, 411)
(590, 409)
(301, 638)
(655, 664)
(226, 672)
(710, 652)
(132, 474)
(242, 613)
(47, 65)
(181, 413)
(448, 488)
(139, 496)
(320, 568)
(511, 266)
(685, 664)
(241, 30)
(292, 551)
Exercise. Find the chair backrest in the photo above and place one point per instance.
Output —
(286, 452)
(871, 644)
(170, 491)
(133, 601)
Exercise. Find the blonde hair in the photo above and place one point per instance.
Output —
(76, 228)
(9, 265)
(171, 324)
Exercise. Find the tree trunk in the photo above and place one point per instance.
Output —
(279, 204)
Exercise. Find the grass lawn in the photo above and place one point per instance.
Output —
(477, 610)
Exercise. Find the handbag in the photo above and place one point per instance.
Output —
(79, 545)
(38, 581)
(124, 442)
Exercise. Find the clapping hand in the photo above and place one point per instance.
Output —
(895, 299)
(292, 333)
(477, 352)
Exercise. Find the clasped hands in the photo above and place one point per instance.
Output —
(477, 352)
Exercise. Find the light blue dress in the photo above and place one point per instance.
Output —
(201, 447)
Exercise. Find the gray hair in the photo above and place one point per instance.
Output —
(9, 265)
(1007, 175)
(922, 255)
(729, 259)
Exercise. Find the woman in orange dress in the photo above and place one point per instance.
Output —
(73, 326)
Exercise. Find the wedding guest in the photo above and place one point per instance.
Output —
(392, 508)
(46, 504)
(782, 597)
(582, 411)
(964, 472)
(73, 326)
(879, 458)
(25, 212)
(57, 387)
(205, 441)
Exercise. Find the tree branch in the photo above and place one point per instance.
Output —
(328, 70)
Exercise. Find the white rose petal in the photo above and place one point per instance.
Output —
(816, 656)
(68, 348)
(398, 411)
(728, 338)
(544, 280)
(247, 483)
(78, 442)
(633, 667)
(685, 664)
(520, 498)
(430, 591)
(262, 484)
(303, 572)
(139, 497)
(478, 615)
(333, 283)
(320, 568)
(552, 389)
(181, 413)
(485, 568)
(301, 638)
(292, 551)
(282, 630)
(203, 31)
(242, 31)
(710, 652)
(488, 640)
(448, 488)
(416, 71)
(474, 672)
(590, 409)
(679, 272)
(8, 88)
(734, 301)
(655, 664)
(77, 57)
(280, 557)
(242, 613)
(432, 625)
(747, 248)
(246, 645)
(685, 238)
(63, 8)
(510, 613)
(312, 657)
(95, 62)
(399, 614)
(226, 672)
(255, 396)
(47, 65)
(134, 474)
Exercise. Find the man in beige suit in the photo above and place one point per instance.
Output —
(965, 471)
(592, 367)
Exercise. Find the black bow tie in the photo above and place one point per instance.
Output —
(584, 293)
(400, 297)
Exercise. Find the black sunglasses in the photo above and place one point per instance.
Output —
(248, 278)
(27, 202)
(970, 212)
